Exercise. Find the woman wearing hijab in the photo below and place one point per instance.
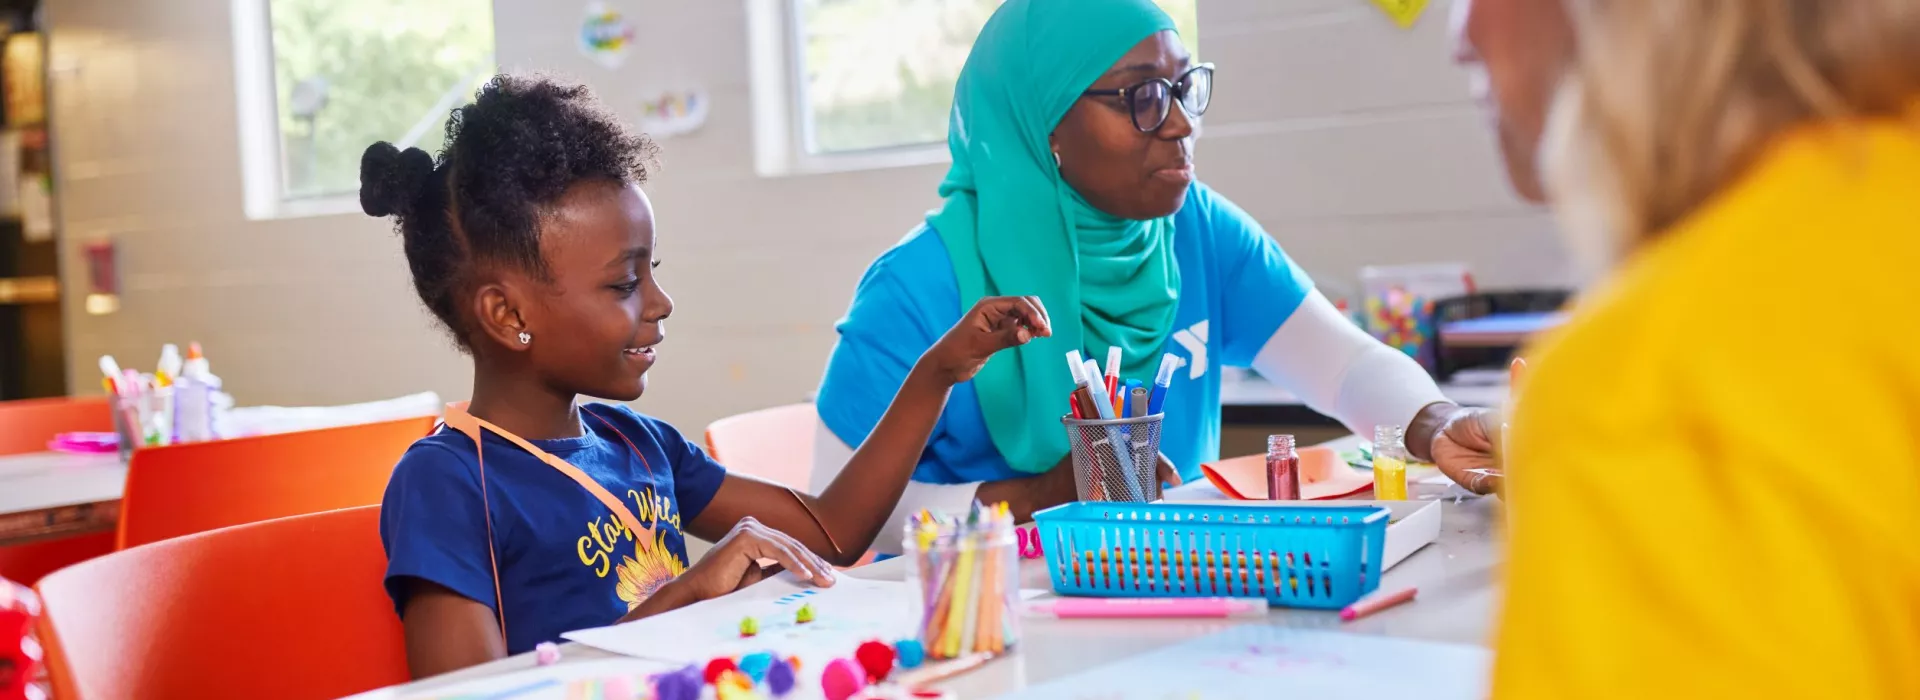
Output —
(1073, 181)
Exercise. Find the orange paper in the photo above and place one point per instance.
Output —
(1322, 476)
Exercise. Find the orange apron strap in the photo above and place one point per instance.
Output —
(641, 534)
(458, 418)
(461, 421)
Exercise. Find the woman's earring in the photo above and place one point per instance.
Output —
(526, 338)
(1056, 160)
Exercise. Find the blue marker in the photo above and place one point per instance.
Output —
(1162, 380)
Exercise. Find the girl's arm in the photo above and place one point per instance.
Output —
(447, 631)
(855, 506)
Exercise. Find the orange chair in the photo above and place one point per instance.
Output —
(183, 489)
(288, 608)
(775, 444)
(27, 426)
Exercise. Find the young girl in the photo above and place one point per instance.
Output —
(531, 240)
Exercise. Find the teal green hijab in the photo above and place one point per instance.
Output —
(1014, 227)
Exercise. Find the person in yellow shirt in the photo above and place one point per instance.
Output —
(1715, 464)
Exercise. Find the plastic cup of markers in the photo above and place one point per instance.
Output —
(1116, 460)
(967, 592)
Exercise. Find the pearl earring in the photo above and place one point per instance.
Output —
(526, 338)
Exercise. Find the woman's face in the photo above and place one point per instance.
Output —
(1515, 52)
(1115, 166)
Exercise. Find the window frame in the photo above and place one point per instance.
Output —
(257, 104)
(782, 114)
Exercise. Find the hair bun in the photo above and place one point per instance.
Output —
(392, 180)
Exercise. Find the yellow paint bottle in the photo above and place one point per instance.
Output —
(1389, 464)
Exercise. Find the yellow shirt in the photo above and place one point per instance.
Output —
(1715, 482)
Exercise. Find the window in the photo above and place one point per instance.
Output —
(322, 79)
(873, 75)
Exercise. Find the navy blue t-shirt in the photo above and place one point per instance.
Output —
(566, 562)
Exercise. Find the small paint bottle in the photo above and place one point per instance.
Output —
(1283, 469)
(1389, 463)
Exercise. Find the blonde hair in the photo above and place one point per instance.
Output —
(1670, 100)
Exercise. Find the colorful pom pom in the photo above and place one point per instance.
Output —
(683, 684)
(841, 679)
(780, 677)
(876, 658)
(733, 679)
(546, 654)
(716, 667)
(755, 665)
(910, 653)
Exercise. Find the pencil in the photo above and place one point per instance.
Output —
(1376, 604)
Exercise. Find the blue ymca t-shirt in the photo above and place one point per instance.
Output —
(1236, 288)
(566, 562)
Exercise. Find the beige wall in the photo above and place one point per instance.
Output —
(1351, 140)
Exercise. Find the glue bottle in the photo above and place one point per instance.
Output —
(193, 398)
(1389, 464)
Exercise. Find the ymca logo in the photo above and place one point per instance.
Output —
(1194, 340)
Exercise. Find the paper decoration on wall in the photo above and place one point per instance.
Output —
(103, 278)
(25, 79)
(1404, 12)
(605, 35)
(673, 113)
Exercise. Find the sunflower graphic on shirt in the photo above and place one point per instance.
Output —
(640, 577)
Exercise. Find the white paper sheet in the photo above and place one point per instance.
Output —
(848, 613)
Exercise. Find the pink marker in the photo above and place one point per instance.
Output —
(1083, 608)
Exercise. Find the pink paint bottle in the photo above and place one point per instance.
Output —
(1283, 469)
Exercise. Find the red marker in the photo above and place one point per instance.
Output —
(1376, 604)
(1113, 376)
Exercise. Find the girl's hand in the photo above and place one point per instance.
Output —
(994, 324)
(734, 562)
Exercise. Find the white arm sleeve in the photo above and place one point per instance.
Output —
(1339, 370)
(830, 456)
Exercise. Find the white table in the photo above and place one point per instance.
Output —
(54, 494)
(1455, 574)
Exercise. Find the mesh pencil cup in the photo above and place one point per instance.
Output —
(968, 582)
(1116, 460)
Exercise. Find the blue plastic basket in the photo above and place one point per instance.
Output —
(1303, 557)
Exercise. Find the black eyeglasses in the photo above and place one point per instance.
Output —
(1151, 101)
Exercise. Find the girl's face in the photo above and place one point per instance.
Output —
(1115, 166)
(596, 321)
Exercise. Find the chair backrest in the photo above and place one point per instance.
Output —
(183, 489)
(28, 425)
(288, 608)
(775, 444)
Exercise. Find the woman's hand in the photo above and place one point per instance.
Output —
(1169, 475)
(1463, 450)
(734, 563)
(992, 325)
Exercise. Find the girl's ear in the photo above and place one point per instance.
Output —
(496, 314)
